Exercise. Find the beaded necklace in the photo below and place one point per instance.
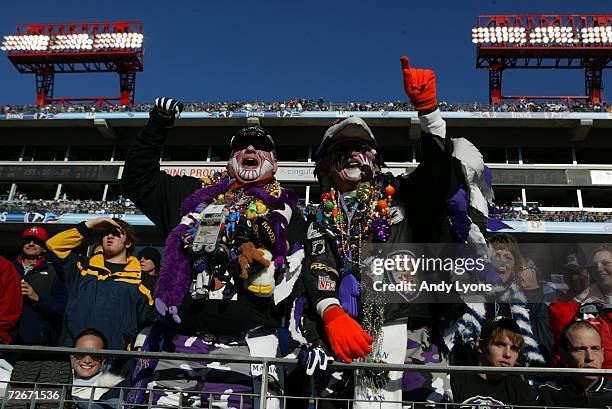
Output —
(368, 219)
(244, 206)
(365, 219)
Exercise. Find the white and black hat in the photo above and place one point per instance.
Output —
(349, 129)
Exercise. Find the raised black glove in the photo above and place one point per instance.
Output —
(167, 110)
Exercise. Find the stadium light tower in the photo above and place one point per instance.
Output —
(48, 49)
(543, 42)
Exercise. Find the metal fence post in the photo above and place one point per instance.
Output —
(263, 400)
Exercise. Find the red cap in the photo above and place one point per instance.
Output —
(37, 232)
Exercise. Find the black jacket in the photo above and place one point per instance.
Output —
(423, 196)
(40, 322)
(476, 391)
(159, 196)
(569, 394)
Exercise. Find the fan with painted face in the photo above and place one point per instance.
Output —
(347, 155)
(253, 159)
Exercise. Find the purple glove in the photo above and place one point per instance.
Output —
(164, 310)
(349, 292)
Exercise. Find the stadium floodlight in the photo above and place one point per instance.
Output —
(118, 41)
(71, 42)
(25, 43)
(552, 31)
(50, 49)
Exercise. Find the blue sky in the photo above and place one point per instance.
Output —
(271, 50)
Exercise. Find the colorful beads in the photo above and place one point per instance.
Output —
(260, 207)
(390, 190)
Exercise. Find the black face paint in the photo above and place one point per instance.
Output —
(343, 152)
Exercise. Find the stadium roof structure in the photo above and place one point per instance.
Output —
(560, 41)
(48, 49)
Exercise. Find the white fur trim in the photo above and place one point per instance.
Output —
(477, 199)
(284, 288)
(294, 330)
(325, 303)
(286, 213)
(472, 165)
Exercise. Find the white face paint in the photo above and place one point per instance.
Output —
(353, 173)
(349, 167)
(251, 165)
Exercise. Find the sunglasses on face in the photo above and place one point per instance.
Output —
(34, 240)
(260, 145)
(254, 136)
(95, 358)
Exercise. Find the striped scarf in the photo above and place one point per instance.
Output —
(470, 324)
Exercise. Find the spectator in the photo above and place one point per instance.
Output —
(215, 308)
(150, 263)
(539, 295)
(107, 287)
(581, 347)
(11, 301)
(506, 300)
(91, 372)
(44, 302)
(578, 281)
(507, 249)
(596, 309)
(499, 346)
(602, 259)
(44, 293)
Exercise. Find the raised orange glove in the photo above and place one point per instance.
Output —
(420, 86)
(345, 335)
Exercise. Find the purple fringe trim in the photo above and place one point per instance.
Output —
(275, 203)
(174, 276)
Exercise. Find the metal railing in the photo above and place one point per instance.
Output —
(62, 399)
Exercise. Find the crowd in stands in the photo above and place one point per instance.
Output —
(22, 204)
(308, 105)
(86, 206)
(534, 213)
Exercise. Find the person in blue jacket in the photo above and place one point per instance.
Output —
(105, 292)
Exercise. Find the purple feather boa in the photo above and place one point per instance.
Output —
(174, 276)
(204, 195)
